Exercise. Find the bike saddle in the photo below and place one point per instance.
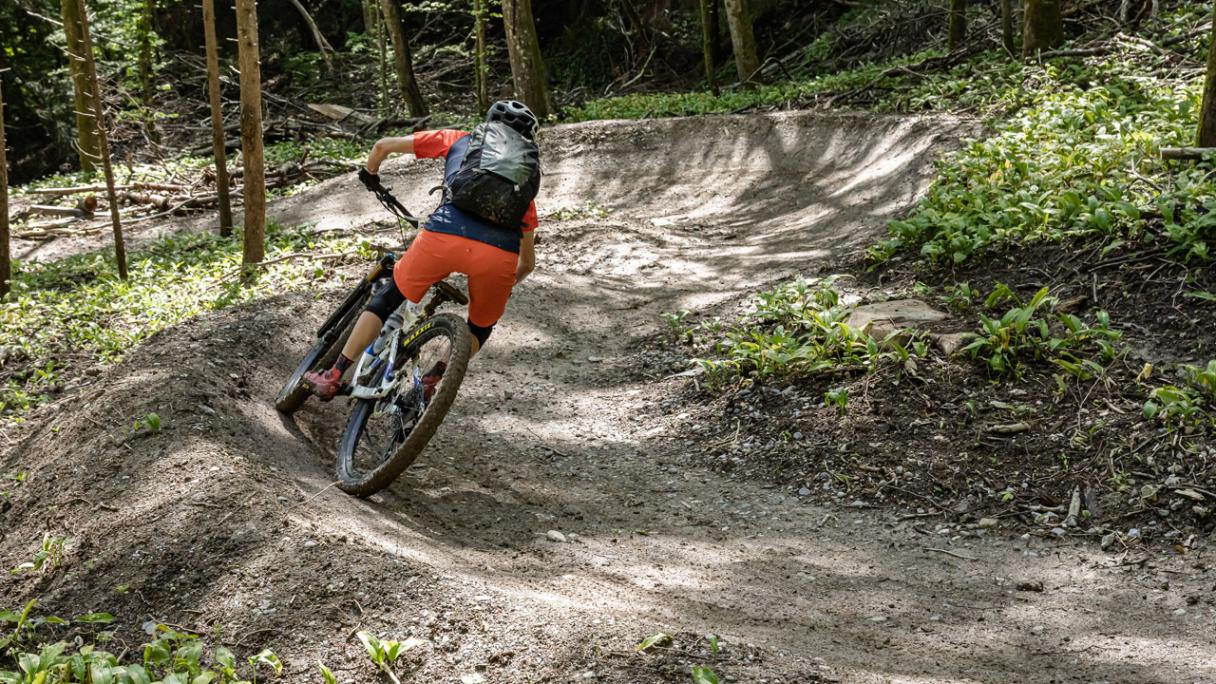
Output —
(451, 292)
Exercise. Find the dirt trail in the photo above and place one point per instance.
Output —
(225, 520)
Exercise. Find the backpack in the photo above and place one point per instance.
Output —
(499, 176)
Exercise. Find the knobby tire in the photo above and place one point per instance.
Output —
(383, 475)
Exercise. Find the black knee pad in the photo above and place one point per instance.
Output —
(482, 334)
(385, 300)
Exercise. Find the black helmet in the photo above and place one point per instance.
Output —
(516, 115)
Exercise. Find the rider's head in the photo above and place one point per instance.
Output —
(516, 115)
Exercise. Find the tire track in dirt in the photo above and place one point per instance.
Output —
(224, 519)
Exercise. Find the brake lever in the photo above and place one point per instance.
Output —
(394, 206)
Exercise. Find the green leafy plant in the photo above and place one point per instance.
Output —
(960, 297)
(797, 328)
(49, 555)
(327, 675)
(703, 674)
(384, 653)
(150, 423)
(676, 326)
(837, 397)
(656, 640)
(1025, 333)
(1187, 404)
(171, 657)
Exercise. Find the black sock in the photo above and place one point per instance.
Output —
(342, 363)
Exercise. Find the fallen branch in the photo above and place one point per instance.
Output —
(1010, 429)
(948, 552)
(59, 192)
(1187, 153)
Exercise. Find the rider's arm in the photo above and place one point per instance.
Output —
(386, 146)
(527, 256)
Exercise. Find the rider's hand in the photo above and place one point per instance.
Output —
(371, 181)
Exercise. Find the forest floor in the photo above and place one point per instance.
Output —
(565, 511)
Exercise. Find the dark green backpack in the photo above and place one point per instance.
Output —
(499, 177)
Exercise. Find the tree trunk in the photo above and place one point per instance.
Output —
(251, 131)
(638, 27)
(480, 10)
(86, 130)
(1007, 27)
(103, 145)
(371, 19)
(145, 67)
(1207, 115)
(527, 64)
(217, 117)
(6, 263)
(381, 56)
(739, 19)
(406, 82)
(373, 23)
(958, 24)
(327, 50)
(1043, 27)
(709, 31)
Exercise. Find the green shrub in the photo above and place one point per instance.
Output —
(1023, 333)
(1190, 403)
(798, 328)
(1080, 159)
(171, 657)
(61, 308)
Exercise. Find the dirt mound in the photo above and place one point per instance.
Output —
(224, 520)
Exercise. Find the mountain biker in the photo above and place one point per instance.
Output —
(451, 240)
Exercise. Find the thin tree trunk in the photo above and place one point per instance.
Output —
(327, 50)
(527, 64)
(217, 118)
(406, 83)
(739, 19)
(480, 10)
(958, 24)
(145, 67)
(86, 130)
(371, 13)
(1043, 26)
(1207, 115)
(251, 131)
(1007, 27)
(6, 263)
(103, 145)
(384, 92)
(373, 23)
(709, 31)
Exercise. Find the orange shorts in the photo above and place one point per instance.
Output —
(434, 256)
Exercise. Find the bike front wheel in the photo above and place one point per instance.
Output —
(384, 436)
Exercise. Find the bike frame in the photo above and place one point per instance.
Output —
(388, 383)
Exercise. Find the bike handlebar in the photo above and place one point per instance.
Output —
(394, 206)
(372, 182)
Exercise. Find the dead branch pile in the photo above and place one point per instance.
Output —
(146, 201)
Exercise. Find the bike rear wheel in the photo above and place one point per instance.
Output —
(384, 436)
(321, 355)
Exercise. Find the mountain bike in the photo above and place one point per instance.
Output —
(393, 414)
